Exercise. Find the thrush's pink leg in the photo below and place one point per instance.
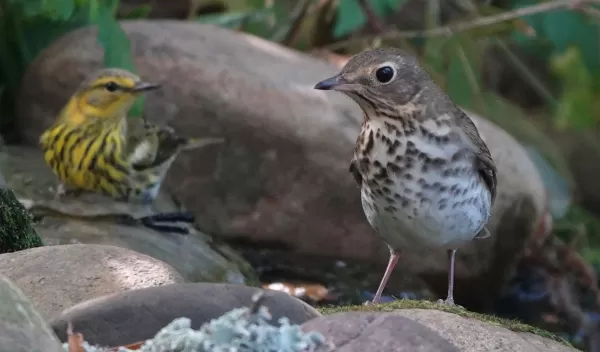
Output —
(450, 298)
(394, 255)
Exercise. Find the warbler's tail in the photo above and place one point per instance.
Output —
(195, 143)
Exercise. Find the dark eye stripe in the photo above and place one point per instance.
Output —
(103, 86)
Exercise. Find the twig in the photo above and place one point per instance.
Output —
(288, 33)
(532, 79)
(591, 11)
(372, 18)
(324, 13)
(461, 27)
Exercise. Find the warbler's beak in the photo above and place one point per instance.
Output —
(141, 87)
(334, 83)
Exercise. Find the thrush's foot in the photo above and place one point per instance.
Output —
(449, 302)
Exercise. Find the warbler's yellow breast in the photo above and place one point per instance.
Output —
(87, 157)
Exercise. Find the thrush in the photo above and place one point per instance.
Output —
(427, 178)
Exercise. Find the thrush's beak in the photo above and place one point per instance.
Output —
(141, 87)
(333, 83)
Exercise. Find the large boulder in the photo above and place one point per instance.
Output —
(22, 328)
(57, 277)
(281, 179)
(196, 256)
(426, 330)
(137, 315)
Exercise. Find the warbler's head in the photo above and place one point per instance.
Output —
(110, 92)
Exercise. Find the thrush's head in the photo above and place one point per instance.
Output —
(383, 77)
(110, 92)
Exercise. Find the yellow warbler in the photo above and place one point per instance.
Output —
(93, 146)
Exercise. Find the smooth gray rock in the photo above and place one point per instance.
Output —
(381, 332)
(58, 277)
(22, 329)
(138, 315)
(424, 330)
(196, 256)
(473, 335)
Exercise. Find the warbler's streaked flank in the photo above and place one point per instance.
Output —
(93, 146)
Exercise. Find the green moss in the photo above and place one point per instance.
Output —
(413, 304)
(16, 230)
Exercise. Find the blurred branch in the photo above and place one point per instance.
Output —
(533, 81)
(287, 34)
(591, 11)
(464, 26)
(322, 33)
(373, 20)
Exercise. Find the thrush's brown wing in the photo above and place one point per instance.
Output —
(483, 158)
(354, 171)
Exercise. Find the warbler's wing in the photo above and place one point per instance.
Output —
(142, 141)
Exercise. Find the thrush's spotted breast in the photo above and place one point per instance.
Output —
(427, 178)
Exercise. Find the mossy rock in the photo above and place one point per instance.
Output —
(17, 232)
(512, 325)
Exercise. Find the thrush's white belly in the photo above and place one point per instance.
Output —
(437, 206)
(425, 223)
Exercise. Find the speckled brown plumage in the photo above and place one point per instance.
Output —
(427, 178)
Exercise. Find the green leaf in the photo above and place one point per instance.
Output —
(458, 87)
(464, 77)
(93, 10)
(112, 5)
(142, 11)
(254, 22)
(63, 9)
(349, 17)
(384, 7)
(557, 30)
(57, 9)
(576, 107)
(117, 50)
(264, 23)
(231, 20)
(569, 28)
(33, 35)
(536, 21)
(396, 4)
(28, 27)
(435, 53)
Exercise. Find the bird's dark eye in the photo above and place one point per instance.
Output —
(384, 74)
(111, 86)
